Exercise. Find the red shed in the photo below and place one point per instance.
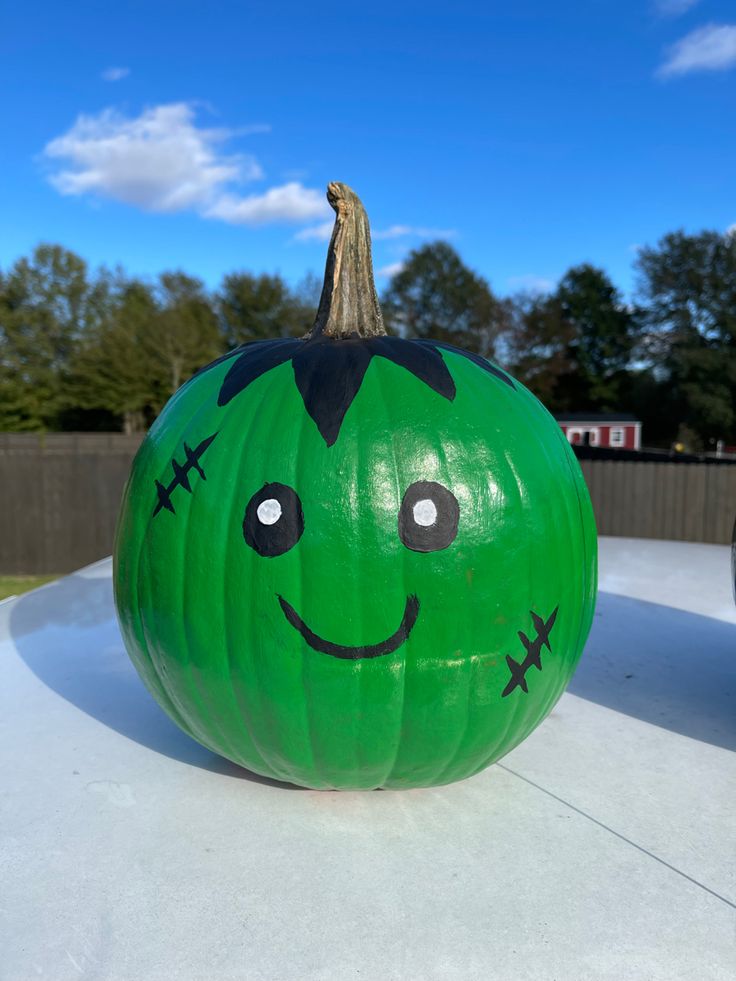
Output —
(617, 430)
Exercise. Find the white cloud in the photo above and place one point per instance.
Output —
(115, 74)
(709, 48)
(322, 233)
(159, 161)
(291, 202)
(731, 230)
(674, 8)
(315, 233)
(531, 283)
(391, 270)
(404, 231)
(162, 161)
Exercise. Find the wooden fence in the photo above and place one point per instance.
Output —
(59, 498)
(60, 493)
(690, 502)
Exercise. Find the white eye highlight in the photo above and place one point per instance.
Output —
(425, 512)
(269, 511)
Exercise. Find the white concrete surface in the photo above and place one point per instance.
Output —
(601, 848)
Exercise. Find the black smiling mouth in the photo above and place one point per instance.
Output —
(387, 646)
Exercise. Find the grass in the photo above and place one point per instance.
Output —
(15, 585)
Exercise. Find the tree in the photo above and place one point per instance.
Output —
(537, 348)
(436, 296)
(688, 284)
(184, 336)
(573, 346)
(651, 399)
(46, 304)
(604, 332)
(306, 295)
(114, 367)
(254, 308)
(150, 341)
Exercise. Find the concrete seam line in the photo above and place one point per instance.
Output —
(628, 841)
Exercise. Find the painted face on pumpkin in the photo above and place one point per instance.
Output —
(427, 522)
(424, 516)
(355, 562)
(429, 513)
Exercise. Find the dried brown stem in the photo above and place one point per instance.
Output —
(349, 304)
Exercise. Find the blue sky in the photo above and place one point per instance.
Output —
(201, 136)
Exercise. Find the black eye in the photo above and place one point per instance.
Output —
(273, 521)
(428, 517)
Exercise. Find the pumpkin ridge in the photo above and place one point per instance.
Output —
(203, 730)
(189, 645)
(151, 671)
(391, 754)
(253, 717)
(319, 772)
(450, 759)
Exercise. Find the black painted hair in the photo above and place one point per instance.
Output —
(329, 372)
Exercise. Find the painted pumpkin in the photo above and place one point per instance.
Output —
(353, 560)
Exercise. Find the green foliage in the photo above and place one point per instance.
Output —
(46, 304)
(104, 350)
(96, 350)
(114, 367)
(537, 349)
(688, 285)
(652, 401)
(184, 335)
(604, 332)
(149, 342)
(253, 308)
(573, 347)
(436, 296)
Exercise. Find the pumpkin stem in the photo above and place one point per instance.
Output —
(349, 302)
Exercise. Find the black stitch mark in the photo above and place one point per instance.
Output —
(533, 653)
(181, 475)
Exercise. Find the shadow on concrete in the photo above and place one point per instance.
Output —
(68, 636)
(674, 669)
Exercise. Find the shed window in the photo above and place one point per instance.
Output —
(617, 437)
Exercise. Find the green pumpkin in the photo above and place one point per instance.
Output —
(352, 560)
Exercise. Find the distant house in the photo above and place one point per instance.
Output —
(617, 430)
